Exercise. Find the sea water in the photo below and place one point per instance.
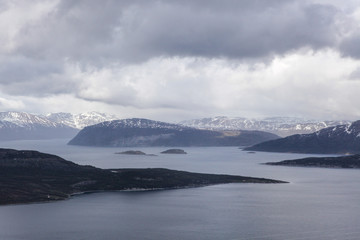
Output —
(317, 204)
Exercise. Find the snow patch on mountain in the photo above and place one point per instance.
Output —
(52, 120)
(81, 120)
(282, 126)
(139, 123)
(25, 120)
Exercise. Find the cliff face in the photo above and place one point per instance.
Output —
(144, 132)
(340, 139)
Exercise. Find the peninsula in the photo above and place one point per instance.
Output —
(31, 176)
(352, 161)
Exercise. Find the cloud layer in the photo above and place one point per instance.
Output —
(181, 59)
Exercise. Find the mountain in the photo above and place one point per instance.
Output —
(352, 161)
(341, 139)
(31, 176)
(282, 126)
(143, 132)
(81, 120)
(26, 126)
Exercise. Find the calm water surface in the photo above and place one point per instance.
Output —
(316, 204)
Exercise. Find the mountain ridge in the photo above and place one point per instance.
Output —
(137, 132)
(340, 139)
(282, 126)
(80, 120)
(27, 126)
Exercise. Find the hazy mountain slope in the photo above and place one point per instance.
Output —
(26, 126)
(341, 139)
(144, 132)
(81, 120)
(282, 126)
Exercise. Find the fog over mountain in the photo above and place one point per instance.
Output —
(173, 60)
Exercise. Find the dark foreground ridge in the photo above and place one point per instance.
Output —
(352, 161)
(31, 176)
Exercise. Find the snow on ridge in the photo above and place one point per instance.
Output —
(22, 119)
(81, 120)
(283, 126)
(55, 120)
(139, 123)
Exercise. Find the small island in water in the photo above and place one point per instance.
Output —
(174, 151)
(31, 176)
(352, 161)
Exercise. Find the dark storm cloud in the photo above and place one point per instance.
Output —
(261, 56)
(245, 31)
(101, 31)
(24, 76)
(351, 46)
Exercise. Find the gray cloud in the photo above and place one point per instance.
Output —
(350, 46)
(183, 57)
(99, 31)
(31, 77)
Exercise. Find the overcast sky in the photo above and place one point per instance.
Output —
(175, 60)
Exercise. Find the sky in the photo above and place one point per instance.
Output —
(174, 60)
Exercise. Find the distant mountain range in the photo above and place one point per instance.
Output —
(26, 126)
(143, 132)
(282, 126)
(79, 121)
(341, 139)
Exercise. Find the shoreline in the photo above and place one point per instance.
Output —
(75, 194)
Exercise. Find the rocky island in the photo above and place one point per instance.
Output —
(31, 176)
(352, 161)
(174, 151)
(132, 152)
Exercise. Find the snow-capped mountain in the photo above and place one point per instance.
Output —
(340, 139)
(26, 126)
(81, 120)
(282, 126)
(26, 120)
